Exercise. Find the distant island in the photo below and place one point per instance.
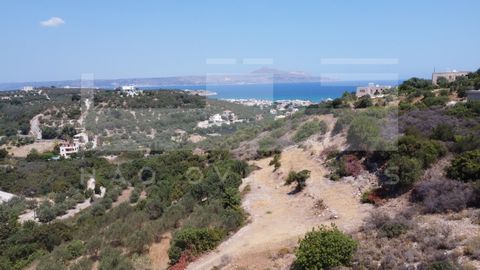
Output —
(259, 76)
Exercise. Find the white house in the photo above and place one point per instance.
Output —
(372, 90)
(80, 139)
(67, 149)
(27, 88)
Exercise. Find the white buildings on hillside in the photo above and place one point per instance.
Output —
(450, 76)
(372, 90)
(227, 117)
(27, 88)
(130, 90)
(67, 149)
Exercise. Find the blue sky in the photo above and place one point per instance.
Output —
(125, 39)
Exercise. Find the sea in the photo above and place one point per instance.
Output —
(312, 91)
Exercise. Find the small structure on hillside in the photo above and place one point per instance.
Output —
(473, 95)
(449, 76)
(130, 90)
(226, 117)
(67, 149)
(80, 141)
(27, 88)
(372, 90)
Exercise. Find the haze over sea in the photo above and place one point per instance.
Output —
(315, 91)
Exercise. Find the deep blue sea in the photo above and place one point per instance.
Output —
(278, 91)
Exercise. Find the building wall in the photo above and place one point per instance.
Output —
(450, 76)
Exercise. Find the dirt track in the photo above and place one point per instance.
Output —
(278, 220)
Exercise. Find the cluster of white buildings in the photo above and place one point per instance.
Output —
(79, 142)
(372, 90)
(251, 102)
(130, 90)
(227, 117)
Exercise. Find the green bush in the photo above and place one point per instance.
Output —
(424, 150)
(324, 249)
(443, 132)
(195, 240)
(363, 102)
(300, 178)
(275, 162)
(364, 134)
(465, 167)
(308, 129)
(402, 172)
(45, 212)
(112, 259)
(435, 101)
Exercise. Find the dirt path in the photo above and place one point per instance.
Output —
(158, 253)
(35, 129)
(278, 220)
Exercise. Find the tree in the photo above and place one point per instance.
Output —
(137, 241)
(112, 259)
(45, 212)
(3, 153)
(308, 129)
(68, 132)
(364, 133)
(300, 178)
(324, 248)
(465, 167)
(363, 102)
(402, 172)
(275, 162)
(49, 133)
(443, 82)
(443, 132)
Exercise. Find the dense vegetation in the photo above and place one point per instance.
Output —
(201, 193)
(324, 248)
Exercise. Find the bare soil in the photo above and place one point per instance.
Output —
(278, 220)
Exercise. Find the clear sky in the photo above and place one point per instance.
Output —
(60, 39)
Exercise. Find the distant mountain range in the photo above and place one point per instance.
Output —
(259, 76)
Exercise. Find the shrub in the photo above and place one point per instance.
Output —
(137, 241)
(82, 264)
(443, 132)
(275, 162)
(465, 167)
(363, 102)
(45, 212)
(387, 226)
(112, 259)
(435, 101)
(424, 150)
(195, 240)
(308, 129)
(346, 165)
(300, 178)
(364, 133)
(472, 248)
(75, 249)
(402, 172)
(134, 196)
(3, 153)
(441, 196)
(324, 248)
